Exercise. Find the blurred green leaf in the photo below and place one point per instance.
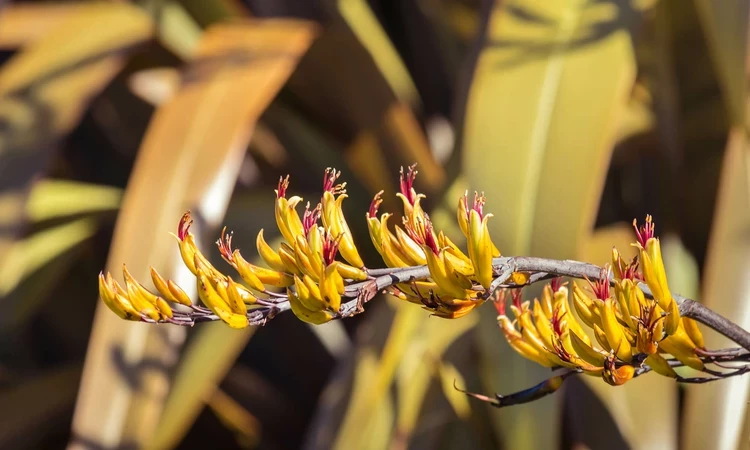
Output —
(178, 31)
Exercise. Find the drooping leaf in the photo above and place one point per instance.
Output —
(59, 198)
(190, 158)
(45, 87)
(714, 415)
(541, 167)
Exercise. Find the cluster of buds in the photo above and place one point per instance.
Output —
(308, 254)
(629, 328)
(305, 265)
(457, 281)
(223, 296)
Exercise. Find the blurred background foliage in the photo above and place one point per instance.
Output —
(574, 116)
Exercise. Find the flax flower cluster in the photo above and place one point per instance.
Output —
(457, 281)
(306, 269)
(625, 328)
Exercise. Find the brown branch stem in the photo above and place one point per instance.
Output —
(539, 268)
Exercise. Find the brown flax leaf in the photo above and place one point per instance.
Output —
(189, 159)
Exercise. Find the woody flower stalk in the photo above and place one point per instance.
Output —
(617, 323)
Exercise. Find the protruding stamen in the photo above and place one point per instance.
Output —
(645, 232)
(429, 238)
(478, 205)
(407, 183)
(330, 248)
(499, 301)
(183, 228)
(629, 271)
(601, 286)
(375, 204)
(556, 284)
(517, 297)
(225, 245)
(310, 218)
(282, 187)
(329, 182)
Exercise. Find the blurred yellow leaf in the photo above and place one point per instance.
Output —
(373, 37)
(542, 114)
(236, 418)
(450, 378)
(714, 413)
(190, 158)
(30, 254)
(177, 31)
(421, 362)
(726, 24)
(375, 428)
(373, 396)
(58, 198)
(23, 23)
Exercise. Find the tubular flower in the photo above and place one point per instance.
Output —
(629, 328)
(456, 280)
(304, 265)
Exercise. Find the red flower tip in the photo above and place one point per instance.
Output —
(282, 187)
(629, 271)
(557, 321)
(329, 182)
(499, 301)
(375, 204)
(407, 183)
(478, 205)
(429, 236)
(645, 232)
(310, 218)
(183, 228)
(556, 284)
(330, 248)
(225, 245)
(600, 287)
(517, 297)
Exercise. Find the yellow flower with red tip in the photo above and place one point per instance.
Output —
(629, 328)
(456, 280)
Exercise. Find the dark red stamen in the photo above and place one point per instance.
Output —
(629, 271)
(183, 228)
(600, 287)
(557, 321)
(225, 245)
(556, 284)
(645, 232)
(478, 205)
(329, 182)
(429, 236)
(282, 187)
(375, 204)
(499, 301)
(310, 218)
(517, 297)
(330, 248)
(407, 184)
